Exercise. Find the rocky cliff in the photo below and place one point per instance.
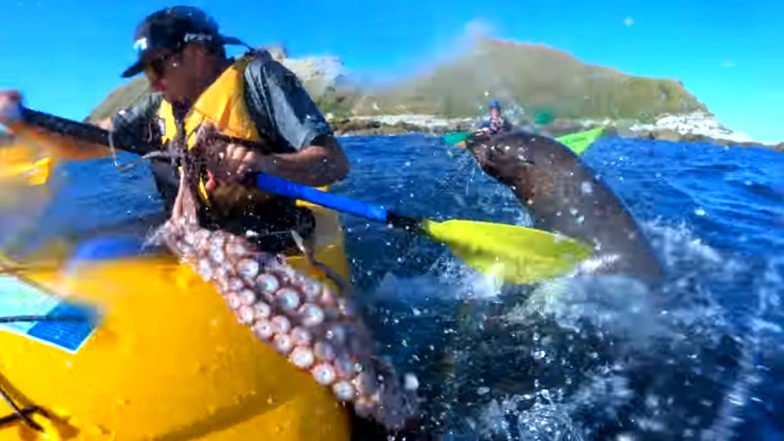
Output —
(528, 79)
(534, 77)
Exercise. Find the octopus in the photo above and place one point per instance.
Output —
(316, 328)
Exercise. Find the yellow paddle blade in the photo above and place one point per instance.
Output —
(24, 176)
(518, 255)
(36, 173)
(21, 164)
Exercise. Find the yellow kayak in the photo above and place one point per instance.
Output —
(165, 360)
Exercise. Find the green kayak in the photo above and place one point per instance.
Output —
(578, 142)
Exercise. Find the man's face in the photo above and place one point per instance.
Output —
(494, 112)
(174, 74)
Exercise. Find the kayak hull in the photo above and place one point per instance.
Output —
(167, 360)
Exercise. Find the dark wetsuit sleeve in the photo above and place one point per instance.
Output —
(135, 126)
(281, 106)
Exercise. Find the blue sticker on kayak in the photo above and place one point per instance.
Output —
(29, 310)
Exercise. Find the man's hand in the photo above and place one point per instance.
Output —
(10, 102)
(231, 163)
(227, 162)
(321, 163)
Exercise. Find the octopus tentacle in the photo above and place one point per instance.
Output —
(304, 320)
(308, 251)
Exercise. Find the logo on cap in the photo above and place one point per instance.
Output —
(140, 44)
(198, 37)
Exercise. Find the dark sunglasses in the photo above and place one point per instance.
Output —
(157, 66)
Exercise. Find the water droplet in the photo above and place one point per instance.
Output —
(411, 383)
(735, 400)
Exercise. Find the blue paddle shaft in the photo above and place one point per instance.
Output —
(293, 190)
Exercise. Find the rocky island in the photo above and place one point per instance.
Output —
(530, 80)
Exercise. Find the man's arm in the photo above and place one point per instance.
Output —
(287, 111)
(323, 162)
(134, 124)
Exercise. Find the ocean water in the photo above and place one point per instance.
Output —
(701, 357)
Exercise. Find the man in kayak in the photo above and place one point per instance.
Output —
(253, 97)
(496, 123)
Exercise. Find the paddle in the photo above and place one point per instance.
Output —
(34, 172)
(515, 254)
(18, 163)
(39, 171)
(577, 142)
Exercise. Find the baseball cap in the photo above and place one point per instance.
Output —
(172, 28)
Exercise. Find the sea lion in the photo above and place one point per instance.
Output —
(564, 195)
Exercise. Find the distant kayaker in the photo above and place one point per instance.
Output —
(496, 123)
(252, 97)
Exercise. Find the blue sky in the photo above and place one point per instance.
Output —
(66, 55)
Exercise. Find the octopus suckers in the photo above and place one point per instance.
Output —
(324, 374)
(302, 357)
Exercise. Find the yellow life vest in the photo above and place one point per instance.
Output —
(223, 105)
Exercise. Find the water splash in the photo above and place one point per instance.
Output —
(608, 357)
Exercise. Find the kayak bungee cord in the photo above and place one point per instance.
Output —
(23, 413)
(20, 413)
(42, 318)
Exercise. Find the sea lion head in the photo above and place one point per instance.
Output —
(504, 156)
(521, 160)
